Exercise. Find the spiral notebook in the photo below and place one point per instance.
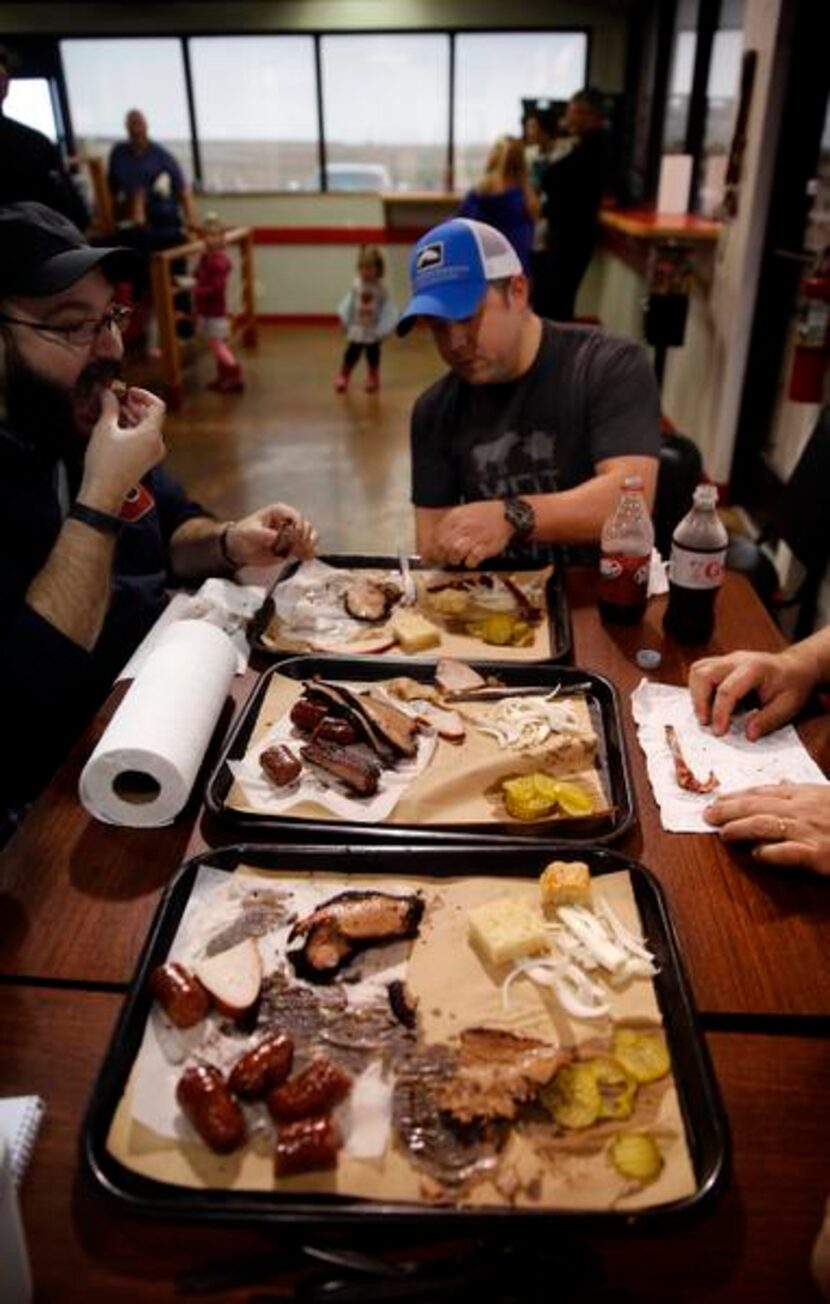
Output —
(19, 1122)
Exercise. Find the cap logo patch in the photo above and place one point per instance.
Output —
(432, 255)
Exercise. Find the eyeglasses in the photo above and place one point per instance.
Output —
(81, 333)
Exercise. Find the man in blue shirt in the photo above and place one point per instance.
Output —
(148, 186)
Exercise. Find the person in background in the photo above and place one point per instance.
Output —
(31, 167)
(788, 823)
(525, 443)
(368, 315)
(92, 530)
(211, 279)
(573, 185)
(504, 197)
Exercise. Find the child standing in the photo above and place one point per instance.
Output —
(368, 314)
(212, 272)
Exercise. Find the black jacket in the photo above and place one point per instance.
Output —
(51, 687)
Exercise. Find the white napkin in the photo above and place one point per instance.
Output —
(219, 602)
(737, 762)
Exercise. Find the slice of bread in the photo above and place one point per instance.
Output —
(233, 977)
(566, 883)
(507, 929)
(414, 632)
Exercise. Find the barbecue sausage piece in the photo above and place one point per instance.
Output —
(306, 715)
(205, 1099)
(262, 1068)
(310, 1145)
(332, 730)
(280, 764)
(314, 1091)
(180, 994)
(357, 772)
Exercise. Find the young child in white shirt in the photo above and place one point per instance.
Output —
(368, 314)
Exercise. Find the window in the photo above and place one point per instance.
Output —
(107, 78)
(386, 104)
(260, 132)
(30, 101)
(494, 72)
(680, 90)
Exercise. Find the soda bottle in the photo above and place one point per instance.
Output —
(698, 553)
(626, 543)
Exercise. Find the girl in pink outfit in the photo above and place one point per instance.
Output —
(212, 272)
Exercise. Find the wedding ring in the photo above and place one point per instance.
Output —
(782, 828)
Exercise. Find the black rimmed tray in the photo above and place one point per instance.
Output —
(605, 714)
(700, 1105)
(559, 614)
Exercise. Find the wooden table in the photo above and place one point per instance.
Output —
(76, 900)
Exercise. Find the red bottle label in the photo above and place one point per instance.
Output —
(623, 581)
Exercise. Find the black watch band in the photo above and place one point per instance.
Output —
(103, 522)
(519, 513)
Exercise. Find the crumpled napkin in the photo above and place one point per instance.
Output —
(220, 602)
(737, 762)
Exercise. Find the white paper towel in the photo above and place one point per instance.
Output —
(146, 762)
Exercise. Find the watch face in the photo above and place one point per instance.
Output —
(520, 515)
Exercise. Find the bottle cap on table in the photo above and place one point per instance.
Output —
(648, 658)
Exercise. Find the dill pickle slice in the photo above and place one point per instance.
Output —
(572, 1097)
(525, 799)
(642, 1054)
(617, 1088)
(635, 1155)
(572, 799)
(498, 629)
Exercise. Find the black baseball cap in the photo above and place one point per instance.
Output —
(42, 252)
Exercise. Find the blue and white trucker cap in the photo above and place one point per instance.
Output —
(450, 268)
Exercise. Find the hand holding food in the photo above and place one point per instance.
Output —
(274, 531)
(126, 442)
(790, 823)
(783, 681)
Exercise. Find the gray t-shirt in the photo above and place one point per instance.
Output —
(588, 396)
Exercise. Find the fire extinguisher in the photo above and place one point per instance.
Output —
(811, 354)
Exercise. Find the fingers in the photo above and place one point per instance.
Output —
(772, 801)
(785, 853)
(740, 681)
(772, 715)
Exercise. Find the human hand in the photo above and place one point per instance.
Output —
(468, 534)
(790, 822)
(126, 442)
(781, 680)
(274, 531)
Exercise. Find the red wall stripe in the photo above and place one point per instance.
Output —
(337, 235)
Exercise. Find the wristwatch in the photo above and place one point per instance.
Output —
(103, 522)
(519, 513)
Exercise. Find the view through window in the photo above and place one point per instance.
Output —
(261, 132)
(494, 72)
(386, 111)
(30, 101)
(107, 78)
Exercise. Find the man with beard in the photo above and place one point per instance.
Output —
(91, 529)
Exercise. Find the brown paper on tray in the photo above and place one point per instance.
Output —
(454, 991)
(463, 647)
(461, 783)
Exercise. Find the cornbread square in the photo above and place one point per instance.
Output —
(414, 632)
(506, 930)
(566, 883)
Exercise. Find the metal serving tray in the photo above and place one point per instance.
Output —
(559, 616)
(701, 1108)
(605, 713)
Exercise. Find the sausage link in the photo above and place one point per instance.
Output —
(307, 715)
(334, 730)
(314, 1091)
(262, 1068)
(180, 994)
(306, 1146)
(216, 1116)
(280, 764)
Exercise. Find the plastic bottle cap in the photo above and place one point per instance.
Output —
(706, 495)
(648, 658)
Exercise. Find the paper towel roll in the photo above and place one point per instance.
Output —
(145, 764)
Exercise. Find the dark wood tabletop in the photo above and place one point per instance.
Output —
(752, 1244)
(91, 881)
(77, 898)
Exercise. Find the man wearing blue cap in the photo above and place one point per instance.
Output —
(92, 530)
(524, 445)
